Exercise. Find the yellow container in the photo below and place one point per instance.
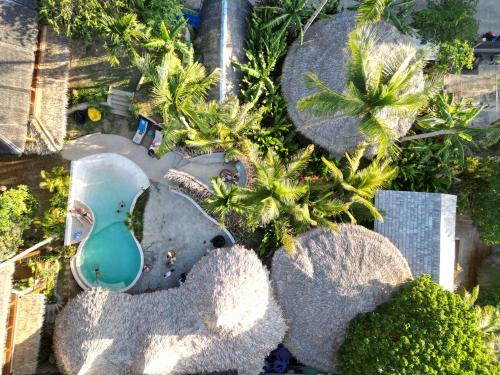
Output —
(94, 114)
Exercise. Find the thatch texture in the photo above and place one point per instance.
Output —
(332, 278)
(223, 317)
(49, 126)
(6, 272)
(29, 322)
(325, 53)
(189, 185)
(18, 42)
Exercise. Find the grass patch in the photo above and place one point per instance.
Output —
(135, 221)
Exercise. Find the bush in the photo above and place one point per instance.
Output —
(53, 221)
(479, 195)
(92, 95)
(17, 208)
(447, 20)
(422, 330)
(454, 56)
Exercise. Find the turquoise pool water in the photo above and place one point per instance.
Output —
(110, 248)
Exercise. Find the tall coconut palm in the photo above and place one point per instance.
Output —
(123, 35)
(352, 186)
(179, 91)
(377, 88)
(168, 41)
(224, 126)
(394, 11)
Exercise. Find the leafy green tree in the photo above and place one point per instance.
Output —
(375, 87)
(423, 329)
(179, 92)
(478, 190)
(447, 20)
(53, 221)
(17, 209)
(455, 56)
(124, 35)
(225, 201)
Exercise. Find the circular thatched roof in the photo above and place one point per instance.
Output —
(325, 53)
(224, 317)
(332, 278)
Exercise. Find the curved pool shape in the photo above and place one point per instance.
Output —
(103, 182)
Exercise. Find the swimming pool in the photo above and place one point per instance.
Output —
(109, 256)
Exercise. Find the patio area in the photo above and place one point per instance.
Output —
(171, 221)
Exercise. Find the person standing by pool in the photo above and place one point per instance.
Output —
(171, 257)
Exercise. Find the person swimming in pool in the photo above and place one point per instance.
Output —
(122, 206)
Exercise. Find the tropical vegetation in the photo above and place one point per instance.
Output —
(375, 87)
(447, 20)
(18, 207)
(423, 329)
(53, 220)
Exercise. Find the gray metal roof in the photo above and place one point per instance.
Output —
(18, 43)
(422, 226)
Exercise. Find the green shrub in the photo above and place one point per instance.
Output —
(489, 282)
(455, 56)
(422, 330)
(479, 195)
(92, 95)
(447, 20)
(53, 221)
(17, 209)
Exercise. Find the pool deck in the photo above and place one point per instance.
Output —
(170, 221)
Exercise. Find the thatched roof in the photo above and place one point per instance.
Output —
(224, 317)
(6, 272)
(189, 185)
(325, 53)
(18, 42)
(51, 97)
(332, 278)
(29, 322)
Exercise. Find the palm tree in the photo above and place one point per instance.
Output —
(179, 91)
(167, 41)
(394, 11)
(354, 187)
(224, 126)
(264, 50)
(370, 11)
(123, 34)
(288, 15)
(225, 200)
(376, 87)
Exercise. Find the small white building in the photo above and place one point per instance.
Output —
(422, 226)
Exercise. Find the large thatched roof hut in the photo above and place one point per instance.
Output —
(21, 320)
(332, 278)
(33, 90)
(18, 43)
(223, 317)
(325, 53)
